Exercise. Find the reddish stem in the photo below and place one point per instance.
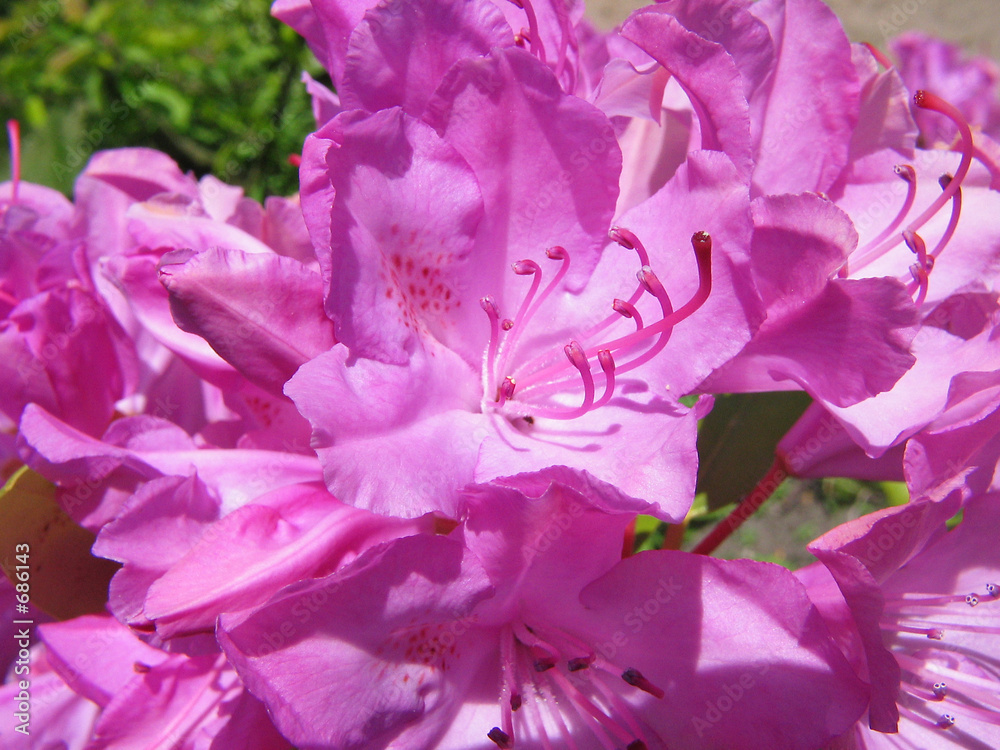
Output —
(628, 545)
(777, 474)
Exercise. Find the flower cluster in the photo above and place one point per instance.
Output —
(360, 464)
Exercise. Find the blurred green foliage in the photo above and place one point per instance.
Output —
(214, 84)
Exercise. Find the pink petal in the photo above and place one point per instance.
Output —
(253, 309)
(398, 55)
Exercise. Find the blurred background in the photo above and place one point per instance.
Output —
(217, 86)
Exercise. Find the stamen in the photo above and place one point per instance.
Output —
(574, 353)
(935, 634)
(14, 134)
(921, 279)
(940, 690)
(566, 34)
(527, 309)
(489, 305)
(652, 284)
(608, 367)
(629, 241)
(587, 708)
(864, 256)
(956, 211)
(622, 710)
(917, 246)
(506, 390)
(879, 56)
(635, 678)
(969, 684)
(702, 244)
(993, 590)
(534, 38)
(928, 100)
(510, 695)
(501, 738)
(627, 310)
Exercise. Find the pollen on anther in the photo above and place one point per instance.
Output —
(500, 737)
(972, 600)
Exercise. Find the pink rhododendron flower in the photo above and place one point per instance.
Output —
(456, 369)
(502, 630)
(59, 345)
(924, 601)
(970, 83)
(147, 696)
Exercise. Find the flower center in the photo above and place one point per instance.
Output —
(951, 190)
(944, 682)
(533, 388)
(545, 670)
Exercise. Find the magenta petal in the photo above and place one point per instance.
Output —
(922, 393)
(804, 116)
(528, 530)
(136, 277)
(140, 173)
(71, 458)
(968, 448)
(58, 717)
(743, 656)
(636, 450)
(547, 163)
(799, 242)
(401, 234)
(285, 536)
(884, 120)
(188, 697)
(177, 225)
(864, 325)
(862, 555)
(398, 54)
(98, 675)
(352, 628)
(155, 528)
(395, 440)
(262, 313)
(731, 24)
(709, 78)
(327, 26)
(58, 349)
(819, 445)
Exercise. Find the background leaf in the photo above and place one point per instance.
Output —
(66, 579)
(736, 441)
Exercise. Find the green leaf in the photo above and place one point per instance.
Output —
(65, 580)
(736, 441)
